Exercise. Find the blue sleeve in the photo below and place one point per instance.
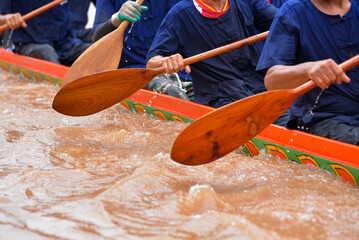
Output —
(165, 42)
(5, 6)
(281, 44)
(104, 11)
(278, 3)
(264, 14)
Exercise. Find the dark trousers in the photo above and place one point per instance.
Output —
(47, 52)
(337, 130)
(173, 85)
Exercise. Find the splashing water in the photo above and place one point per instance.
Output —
(110, 176)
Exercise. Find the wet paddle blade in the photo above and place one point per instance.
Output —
(96, 92)
(227, 128)
(103, 55)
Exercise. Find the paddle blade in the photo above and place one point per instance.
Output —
(227, 128)
(103, 55)
(96, 92)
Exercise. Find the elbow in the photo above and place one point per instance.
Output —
(148, 64)
(94, 35)
(268, 80)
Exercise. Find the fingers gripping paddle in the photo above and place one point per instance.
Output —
(96, 92)
(35, 12)
(220, 132)
(104, 54)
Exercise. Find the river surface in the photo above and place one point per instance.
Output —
(110, 176)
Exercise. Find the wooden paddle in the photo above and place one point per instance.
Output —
(104, 54)
(225, 129)
(96, 92)
(35, 13)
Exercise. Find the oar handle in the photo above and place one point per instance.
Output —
(35, 12)
(226, 48)
(345, 66)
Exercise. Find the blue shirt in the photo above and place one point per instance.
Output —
(138, 37)
(301, 33)
(278, 3)
(230, 75)
(51, 27)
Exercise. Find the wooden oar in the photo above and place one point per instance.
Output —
(229, 127)
(96, 92)
(35, 12)
(104, 54)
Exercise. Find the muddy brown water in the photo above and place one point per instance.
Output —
(110, 176)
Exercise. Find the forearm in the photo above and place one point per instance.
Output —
(102, 30)
(286, 77)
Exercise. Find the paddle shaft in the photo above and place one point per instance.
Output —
(220, 50)
(226, 48)
(35, 12)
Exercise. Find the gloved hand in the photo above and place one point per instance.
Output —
(130, 11)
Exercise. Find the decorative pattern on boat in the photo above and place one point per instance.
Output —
(252, 148)
(145, 109)
(29, 74)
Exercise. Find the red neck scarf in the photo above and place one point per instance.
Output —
(208, 11)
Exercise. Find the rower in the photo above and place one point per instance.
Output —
(48, 36)
(195, 26)
(307, 40)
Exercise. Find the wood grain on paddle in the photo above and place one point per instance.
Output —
(35, 12)
(104, 54)
(229, 127)
(96, 92)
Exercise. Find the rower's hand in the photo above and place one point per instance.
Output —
(14, 20)
(174, 63)
(130, 11)
(326, 72)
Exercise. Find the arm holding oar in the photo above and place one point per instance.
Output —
(323, 73)
(130, 11)
(16, 20)
(47, 36)
(12, 21)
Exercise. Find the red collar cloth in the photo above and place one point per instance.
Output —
(208, 11)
